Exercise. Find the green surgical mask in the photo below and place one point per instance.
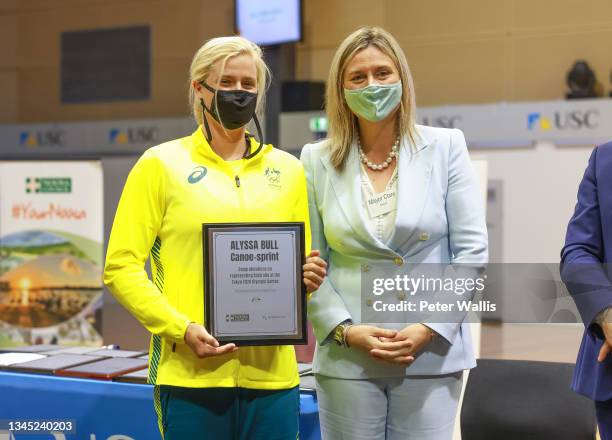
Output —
(374, 102)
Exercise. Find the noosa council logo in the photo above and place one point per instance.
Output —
(197, 174)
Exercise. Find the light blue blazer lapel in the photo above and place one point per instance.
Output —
(347, 187)
(414, 175)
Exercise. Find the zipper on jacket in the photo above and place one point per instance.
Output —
(173, 347)
(237, 180)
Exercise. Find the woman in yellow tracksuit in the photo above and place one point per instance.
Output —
(218, 174)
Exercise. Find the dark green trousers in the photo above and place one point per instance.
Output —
(228, 413)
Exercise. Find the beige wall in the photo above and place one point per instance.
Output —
(471, 51)
(177, 30)
(461, 51)
(8, 61)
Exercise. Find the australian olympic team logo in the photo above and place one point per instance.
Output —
(273, 176)
(197, 174)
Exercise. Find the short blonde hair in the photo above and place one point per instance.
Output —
(221, 49)
(342, 122)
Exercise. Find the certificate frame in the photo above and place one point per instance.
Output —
(211, 292)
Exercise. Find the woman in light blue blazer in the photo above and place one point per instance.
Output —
(377, 381)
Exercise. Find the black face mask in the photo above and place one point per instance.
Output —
(235, 107)
(232, 109)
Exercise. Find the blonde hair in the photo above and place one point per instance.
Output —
(222, 49)
(342, 122)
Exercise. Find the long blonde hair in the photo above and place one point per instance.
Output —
(342, 123)
(223, 48)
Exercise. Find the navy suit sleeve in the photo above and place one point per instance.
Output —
(582, 257)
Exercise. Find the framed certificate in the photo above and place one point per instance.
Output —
(253, 291)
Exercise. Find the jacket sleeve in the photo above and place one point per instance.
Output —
(137, 222)
(301, 211)
(467, 229)
(326, 309)
(582, 255)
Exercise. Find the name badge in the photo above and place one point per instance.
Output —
(381, 203)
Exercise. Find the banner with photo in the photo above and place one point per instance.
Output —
(51, 234)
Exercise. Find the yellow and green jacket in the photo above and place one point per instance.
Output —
(174, 188)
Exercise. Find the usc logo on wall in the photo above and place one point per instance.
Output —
(140, 135)
(570, 120)
(44, 138)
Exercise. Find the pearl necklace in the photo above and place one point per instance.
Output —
(380, 166)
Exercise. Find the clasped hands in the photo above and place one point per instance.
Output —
(393, 346)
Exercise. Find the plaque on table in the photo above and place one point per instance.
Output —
(7, 359)
(72, 350)
(254, 293)
(36, 348)
(139, 376)
(106, 369)
(304, 368)
(52, 364)
(116, 353)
